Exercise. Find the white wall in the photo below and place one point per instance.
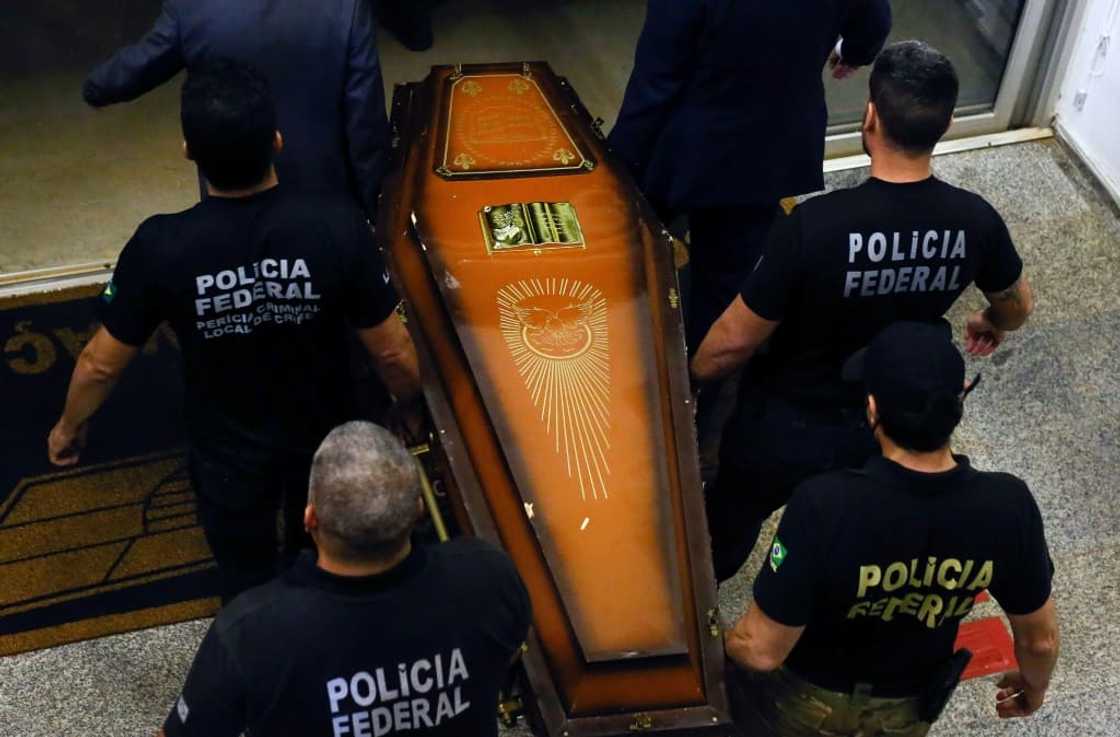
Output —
(1088, 115)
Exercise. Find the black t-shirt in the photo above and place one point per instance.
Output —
(880, 565)
(259, 291)
(845, 265)
(422, 649)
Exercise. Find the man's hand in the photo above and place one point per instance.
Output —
(96, 371)
(840, 70)
(65, 444)
(1016, 698)
(981, 337)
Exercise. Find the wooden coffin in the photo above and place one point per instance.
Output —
(540, 292)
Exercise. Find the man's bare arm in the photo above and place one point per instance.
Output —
(1010, 308)
(730, 343)
(1036, 648)
(1007, 310)
(394, 357)
(99, 366)
(759, 643)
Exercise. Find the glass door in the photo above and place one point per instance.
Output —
(989, 43)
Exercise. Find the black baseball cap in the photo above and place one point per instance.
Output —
(909, 366)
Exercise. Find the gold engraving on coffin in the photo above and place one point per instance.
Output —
(536, 226)
(556, 330)
(505, 128)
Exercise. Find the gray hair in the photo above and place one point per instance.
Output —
(365, 487)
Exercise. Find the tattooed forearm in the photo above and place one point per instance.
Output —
(1013, 293)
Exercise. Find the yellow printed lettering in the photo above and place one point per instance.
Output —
(868, 576)
(896, 576)
(968, 564)
(910, 603)
(894, 604)
(931, 607)
(914, 581)
(943, 579)
(984, 577)
(859, 610)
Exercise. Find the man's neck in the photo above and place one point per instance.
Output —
(933, 462)
(267, 183)
(350, 569)
(890, 165)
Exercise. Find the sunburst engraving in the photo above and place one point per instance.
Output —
(556, 330)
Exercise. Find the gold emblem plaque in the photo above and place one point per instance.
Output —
(531, 226)
(501, 124)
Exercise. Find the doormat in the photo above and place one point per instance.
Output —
(111, 545)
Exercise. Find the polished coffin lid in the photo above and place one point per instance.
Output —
(541, 297)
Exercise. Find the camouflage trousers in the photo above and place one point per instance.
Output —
(784, 705)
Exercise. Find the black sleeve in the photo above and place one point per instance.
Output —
(367, 128)
(1024, 583)
(510, 612)
(370, 298)
(130, 307)
(663, 64)
(865, 31)
(214, 699)
(770, 288)
(786, 587)
(1000, 266)
(138, 68)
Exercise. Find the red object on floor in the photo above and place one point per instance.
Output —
(993, 650)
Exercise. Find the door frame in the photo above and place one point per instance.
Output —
(1019, 77)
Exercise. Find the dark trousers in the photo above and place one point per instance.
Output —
(724, 245)
(238, 511)
(769, 447)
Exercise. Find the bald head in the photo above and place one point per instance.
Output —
(365, 489)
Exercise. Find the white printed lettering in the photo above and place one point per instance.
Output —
(851, 282)
(876, 247)
(855, 245)
(336, 692)
(958, 246)
(896, 254)
(869, 279)
(929, 251)
(363, 690)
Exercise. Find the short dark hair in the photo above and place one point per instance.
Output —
(914, 88)
(924, 431)
(229, 123)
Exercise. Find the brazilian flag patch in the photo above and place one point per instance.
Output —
(110, 291)
(778, 554)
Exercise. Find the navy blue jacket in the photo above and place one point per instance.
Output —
(726, 105)
(320, 58)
